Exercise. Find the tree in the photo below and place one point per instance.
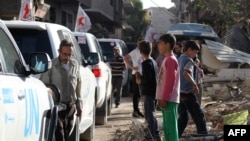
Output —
(136, 20)
(222, 14)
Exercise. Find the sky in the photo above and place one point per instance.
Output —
(157, 3)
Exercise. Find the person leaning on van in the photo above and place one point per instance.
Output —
(65, 74)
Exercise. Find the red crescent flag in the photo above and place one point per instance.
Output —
(152, 35)
(26, 10)
(83, 23)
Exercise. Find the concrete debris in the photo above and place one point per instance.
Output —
(216, 103)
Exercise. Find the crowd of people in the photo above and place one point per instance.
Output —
(167, 75)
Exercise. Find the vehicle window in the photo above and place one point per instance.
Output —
(124, 48)
(11, 61)
(85, 49)
(107, 49)
(30, 41)
(99, 49)
(195, 27)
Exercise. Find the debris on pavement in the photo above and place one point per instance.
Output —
(216, 111)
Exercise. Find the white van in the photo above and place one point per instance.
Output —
(24, 100)
(89, 44)
(32, 36)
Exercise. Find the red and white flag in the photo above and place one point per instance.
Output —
(83, 23)
(152, 34)
(26, 10)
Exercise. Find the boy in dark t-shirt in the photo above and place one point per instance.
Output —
(148, 88)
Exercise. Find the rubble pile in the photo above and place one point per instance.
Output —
(216, 103)
(134, 132)
(216, 111)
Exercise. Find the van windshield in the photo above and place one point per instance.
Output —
(85, 49)
(107, 49)
(191, 27)
(30, 41)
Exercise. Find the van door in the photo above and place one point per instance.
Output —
(9, 60)
(20, 116)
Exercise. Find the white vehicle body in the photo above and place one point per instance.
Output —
(88, 43)
(24, 100)
(46, 37)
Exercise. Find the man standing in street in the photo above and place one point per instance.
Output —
(131, 60)
(65, 74)
(118, 67)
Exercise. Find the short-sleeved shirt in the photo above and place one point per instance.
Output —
(186, 63)
(135, 54)
(117, 66)
(168, 84)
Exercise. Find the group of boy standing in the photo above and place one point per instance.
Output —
(171, 85)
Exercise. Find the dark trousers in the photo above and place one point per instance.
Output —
(136, 94)
(189, 104)
(149, 109)
(117, 85)
(65, 123)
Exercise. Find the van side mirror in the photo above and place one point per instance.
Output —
(39, 63)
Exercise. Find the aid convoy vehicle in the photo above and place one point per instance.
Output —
(102, 71)
(24, 100)
(46, 37)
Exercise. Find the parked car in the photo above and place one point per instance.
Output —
(196, 31)
(89, 44)
(24, 100)
(107, 45)
(32, 36)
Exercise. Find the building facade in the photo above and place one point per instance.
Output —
(160, 18)
(105, 15)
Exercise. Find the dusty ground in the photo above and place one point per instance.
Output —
(122, 127)
(119, 121)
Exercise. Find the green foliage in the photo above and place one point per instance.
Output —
(225, 13)
(136, 20)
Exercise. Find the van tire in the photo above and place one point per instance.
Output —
(102, 114)
(88, 135)
(110, 103)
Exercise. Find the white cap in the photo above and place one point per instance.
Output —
(116, 47)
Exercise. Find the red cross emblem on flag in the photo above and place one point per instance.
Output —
(26, 11)
(81, 21)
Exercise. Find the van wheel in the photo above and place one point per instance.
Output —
(102, 114)
(88, 135)
(110, 102)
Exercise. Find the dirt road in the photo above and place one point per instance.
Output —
(119, 122)
(121, 126)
